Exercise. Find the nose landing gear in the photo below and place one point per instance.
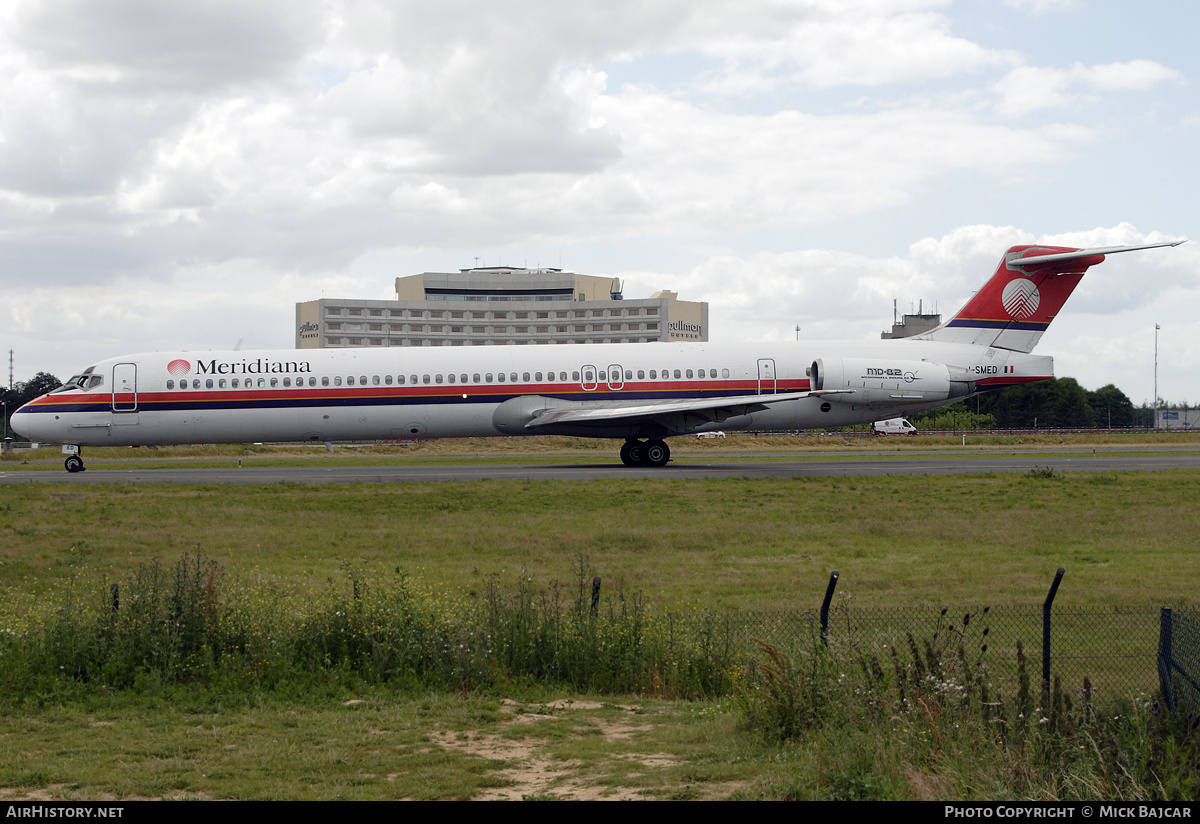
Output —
(645, 453)
(74, 464)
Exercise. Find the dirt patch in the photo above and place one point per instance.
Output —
(535, 772)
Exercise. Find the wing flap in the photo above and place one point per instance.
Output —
(631, 411)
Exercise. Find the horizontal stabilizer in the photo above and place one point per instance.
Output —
(1042, 260)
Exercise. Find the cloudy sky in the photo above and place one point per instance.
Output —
(180, 175)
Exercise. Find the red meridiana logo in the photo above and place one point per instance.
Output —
(179, 367)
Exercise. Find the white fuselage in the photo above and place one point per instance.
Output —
(407, 393)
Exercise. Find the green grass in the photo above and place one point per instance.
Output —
(1124, 538)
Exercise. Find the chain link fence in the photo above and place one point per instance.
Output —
(1179, 660)
(1123, 653)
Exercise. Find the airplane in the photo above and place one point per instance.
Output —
(641, 393)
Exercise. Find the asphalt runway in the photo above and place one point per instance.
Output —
(921, 464)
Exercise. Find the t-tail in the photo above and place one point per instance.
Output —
(1029, 288)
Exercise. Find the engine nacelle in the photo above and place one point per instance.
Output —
(888, 381)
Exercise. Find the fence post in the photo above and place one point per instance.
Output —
(1164, 657)
(596, 595)
(833, 579)
(1046, 627)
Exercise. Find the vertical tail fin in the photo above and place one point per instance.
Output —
(1025, 294)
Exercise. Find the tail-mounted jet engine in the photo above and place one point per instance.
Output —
(887, 381)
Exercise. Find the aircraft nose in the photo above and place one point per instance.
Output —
(25, 423)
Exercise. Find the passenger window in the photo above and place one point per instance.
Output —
(574, 376)
(413, 380)
(537, 376)
(387, 379)
(274, 382)
(562, 376)
(603, 376)
(525, 377)
(350, 381)
(425, 379)
(689, 373)
(221, 383)
(183, 384)
(628, 374)
(438, 378)
(362, 380)
(400, 380)
(513, 377)
(587, 376)
(724, 373)
(234, 383)
(337, 380)
(262, 383)
(463, 378)
(324, 380)
(653, 375)
(450, 378)
(641, 374)
(500, 377)
(678, 376)
(488, 377)
(196, 383)
(475, 378)
(712, 373)
(312, 381)
(375, 380)
(170, 384)
(287, 382)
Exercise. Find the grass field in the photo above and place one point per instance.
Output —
(1125, 539)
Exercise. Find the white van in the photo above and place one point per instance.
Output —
(893, 426)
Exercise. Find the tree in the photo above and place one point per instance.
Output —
(1059, 402)
(1110, 404)
(21, 394)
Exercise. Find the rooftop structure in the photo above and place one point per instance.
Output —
(500, 305)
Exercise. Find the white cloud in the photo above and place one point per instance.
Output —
(1029, 88)
(1039, 7)
(148, 150)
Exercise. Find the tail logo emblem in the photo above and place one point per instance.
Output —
(182, 367)
(1020, 298)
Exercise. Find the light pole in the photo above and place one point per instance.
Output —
(1156, 328)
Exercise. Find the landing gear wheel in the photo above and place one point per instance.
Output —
(74, 464)
(632, 453)
(656, 453)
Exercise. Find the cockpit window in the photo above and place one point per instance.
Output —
(73, 384)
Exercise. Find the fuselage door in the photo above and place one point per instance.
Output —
(588, 378)
(615, 380)
(766, 376)
(124, 389)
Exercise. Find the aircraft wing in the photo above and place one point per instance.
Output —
(709, 409)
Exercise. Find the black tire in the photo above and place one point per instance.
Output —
(637, 453)
(626, 456)
(656, 453)
(74, 464)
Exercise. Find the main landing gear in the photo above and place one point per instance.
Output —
(645, 453)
